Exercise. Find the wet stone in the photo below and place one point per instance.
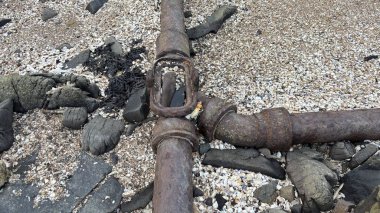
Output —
(48, 13)
(296, 208)
(139, 200)
(74, 118)
(247, 159)
(90, 172)
(267, 193)
(95, 5)
(363, 155)
(101, 135)
(212, 23)
(287, 192)
(81, 58)
(342, 150)
(137, 108)
(6, 129)
(105, 199)
(312, 178)
(359, 183)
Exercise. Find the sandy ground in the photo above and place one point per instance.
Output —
(302, 55)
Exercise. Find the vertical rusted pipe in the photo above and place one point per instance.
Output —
(277, 129)
(173, 179)
(173, 140)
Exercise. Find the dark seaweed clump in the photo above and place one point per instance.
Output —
(123, 79)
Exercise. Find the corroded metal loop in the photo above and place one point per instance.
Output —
(174, 128)
(214, 111)
(154, 82)
(278, 128)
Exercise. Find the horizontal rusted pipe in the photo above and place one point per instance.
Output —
(173, 140)
(277, 129)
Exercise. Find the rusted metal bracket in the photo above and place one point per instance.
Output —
(278, 130)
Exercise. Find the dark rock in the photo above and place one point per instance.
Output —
(312, 178)
(208, 201)
(371, 203)
(363, 155)
(93, 90)
(267, 193)
(114, 158)
(204, 148)
(81, 58)
(27, 92)
(101, 135)
(343, 206)
(342, 150)
(74, 118)
(48, 13)
(4, 174)
(64, 45)
(221, 201)
(168, 88)
(296, 208)
(247, 159)
(333, 165)
(287, 192)
(259, 32)
(90, 172)
(68, 96)
(139, 200)
(95, 5)
(197, 192)
(106, 199)
(6, 129)
(4, 21)
(371, 57)
(137, 108)
(13, 202)
(178, 98)
(188, 14)
(43, 1)
(359, 183)
(212, 23)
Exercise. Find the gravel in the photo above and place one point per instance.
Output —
(304, 55)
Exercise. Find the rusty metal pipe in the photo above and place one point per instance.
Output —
(173, 188)
(278, 130)
(173, 140)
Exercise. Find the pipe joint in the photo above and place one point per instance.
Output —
(214, 111)
(174, 128)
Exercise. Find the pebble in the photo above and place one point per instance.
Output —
(81, 58)
(75, 118)
(4, 174)
(95, 5)
(287, 192)
(267, 193)
(4, 21)
(221, 201)
(137, 109)
(48, 13)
